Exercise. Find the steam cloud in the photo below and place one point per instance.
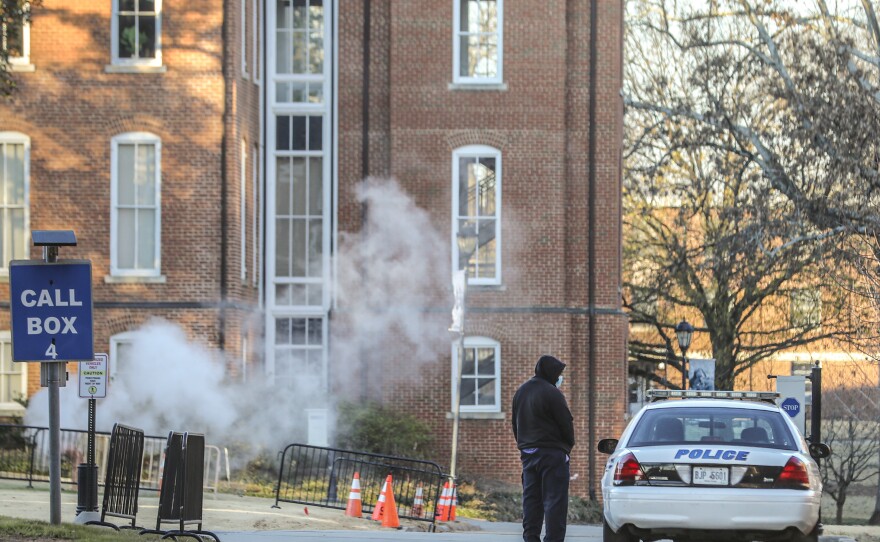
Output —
(388, 274)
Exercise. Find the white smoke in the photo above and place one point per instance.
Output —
(388, 274)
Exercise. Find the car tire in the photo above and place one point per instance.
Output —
(813, 536)
(620, 536)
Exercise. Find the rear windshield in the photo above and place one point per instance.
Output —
(742, 426)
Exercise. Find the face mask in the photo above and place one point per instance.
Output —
(559, 381)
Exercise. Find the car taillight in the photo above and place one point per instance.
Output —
(794, 475)
(628, 471)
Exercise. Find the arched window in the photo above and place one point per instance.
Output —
(480, 374)
(136, 211)
(476, 204)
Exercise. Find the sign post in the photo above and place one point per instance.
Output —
(51, 315)
(92, 386)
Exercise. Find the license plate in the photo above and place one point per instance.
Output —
(711, 476)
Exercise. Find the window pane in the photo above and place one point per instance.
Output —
(282, 52)
(128, 36)
(315, 331)
(298, 252)
(147, 37)
(282, 331)
(282, 133)
(486, 393)
(125, 238)
(283, 186)
(18, 248)
(15, 171)
(146, 245)
(486, 186)
(146, 5)
(482, 16)
(316, 186)
(146, 175)
(468, 392)
(300, 14)
(316, 294)
(467, 366)
(299, 186)
(282, 247)
(486, 249)
(284, 12)
(316, 125)
(126, 5)
(316, 53)
(299, 134)
(486, 361)
(466, 191)
(297, 331)
(316, 248)
(298, 50)
(15, 39)
(125, 175)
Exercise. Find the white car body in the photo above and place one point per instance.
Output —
(662, 506)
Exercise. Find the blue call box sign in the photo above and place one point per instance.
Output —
(791, 406)
(51, 305)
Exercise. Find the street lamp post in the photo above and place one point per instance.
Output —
(684, 331)
(467, 244)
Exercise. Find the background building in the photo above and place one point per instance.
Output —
(210, 157)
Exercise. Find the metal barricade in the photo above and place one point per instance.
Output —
(322, 477)
(181, 495)
(123, 475)
(18, 445)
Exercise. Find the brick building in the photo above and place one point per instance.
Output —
(207, 152)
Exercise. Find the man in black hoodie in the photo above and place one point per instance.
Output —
(542, 425)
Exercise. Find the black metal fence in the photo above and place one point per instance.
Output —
(123, 474)
(323, 476)
(24, 455)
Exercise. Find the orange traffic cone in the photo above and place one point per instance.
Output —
(454, 503)
(354, 498)
(390, 519)
(442, 513)
(418, 507)
(379, 511)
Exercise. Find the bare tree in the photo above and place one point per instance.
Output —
(707, 235)
(851, 405)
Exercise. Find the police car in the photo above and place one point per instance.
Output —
(711, 467)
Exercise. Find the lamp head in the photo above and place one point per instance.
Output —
(684, 331)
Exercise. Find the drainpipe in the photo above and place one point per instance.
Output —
(366, 389)
(591, 274)
(224, 174)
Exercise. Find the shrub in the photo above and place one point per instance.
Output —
(381, 430)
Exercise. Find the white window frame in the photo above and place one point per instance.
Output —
(478, 342)
(11, 407)
(477, 151)
(144, 138)
(255, 190)
(17, 138)
(244, 40)
(114, 39)
(243, 208)
(25, 58)
(126, 337)
(459, 79)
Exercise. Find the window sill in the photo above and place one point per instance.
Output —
(123, 279)
(8, 410)
(477, 415)
(487, 288)
(21, 68)
(133, 68)
(499, 87)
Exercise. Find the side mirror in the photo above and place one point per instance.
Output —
(608, 445)
(818, 450)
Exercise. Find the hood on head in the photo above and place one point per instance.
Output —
(549, 368)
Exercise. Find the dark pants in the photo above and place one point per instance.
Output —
(545, 494)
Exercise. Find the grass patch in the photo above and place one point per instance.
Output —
(40, 531)
(496, 501)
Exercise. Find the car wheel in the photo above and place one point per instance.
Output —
(813, 536)
(620, 536)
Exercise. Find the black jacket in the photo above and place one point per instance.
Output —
(541, 418)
